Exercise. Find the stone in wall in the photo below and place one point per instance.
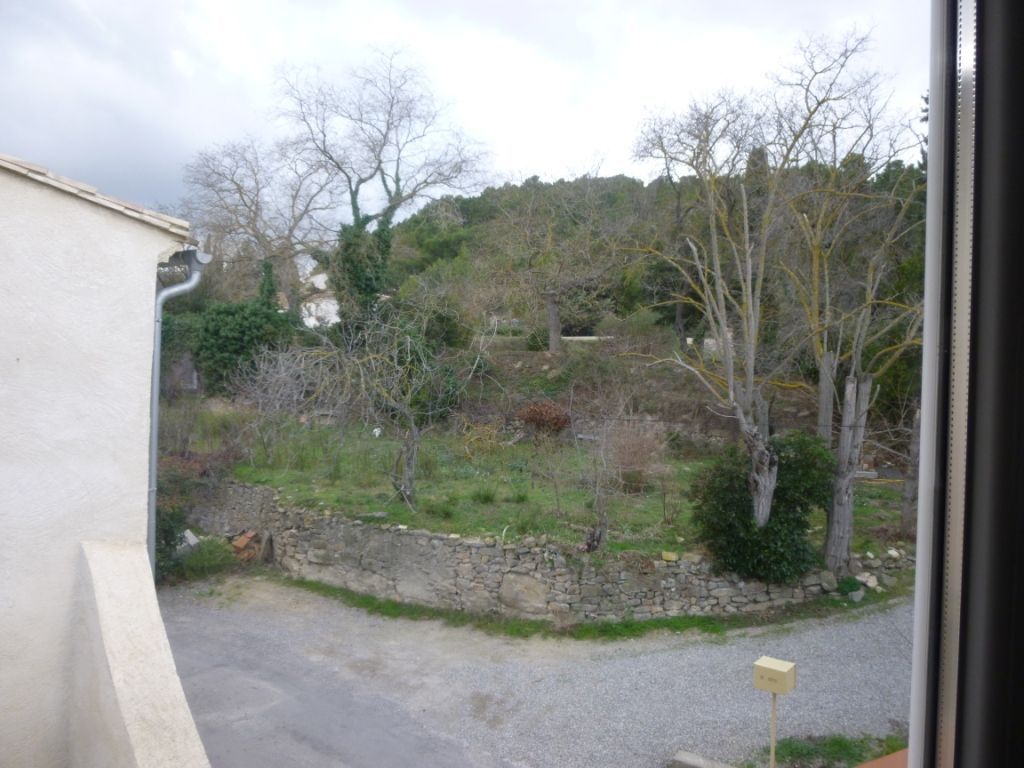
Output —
(524, 594)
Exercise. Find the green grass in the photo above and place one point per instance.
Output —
(510, 627)
(713, 626)
(210, 556)
(485, 495)
(525, 489)
(876, 517)
(876, 514)
(833, 751)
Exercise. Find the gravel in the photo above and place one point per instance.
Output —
(420, 693)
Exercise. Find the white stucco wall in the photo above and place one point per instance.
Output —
(121, 656)
(76, 302)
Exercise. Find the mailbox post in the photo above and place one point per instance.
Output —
(775, 676)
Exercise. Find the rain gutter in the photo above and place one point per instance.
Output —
(194, 261)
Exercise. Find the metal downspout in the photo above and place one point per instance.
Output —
(195, 261)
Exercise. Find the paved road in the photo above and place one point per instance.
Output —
(278, 677)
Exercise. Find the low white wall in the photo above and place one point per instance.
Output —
(128, 708)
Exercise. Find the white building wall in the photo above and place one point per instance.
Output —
(76, 303)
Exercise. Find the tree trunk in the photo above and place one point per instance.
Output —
(761, 413)
(826, 396)
(764, 473)
(599, 532)
(908, 517)
(554, 323)
(851, 441)
(408, 456)
(679, 325)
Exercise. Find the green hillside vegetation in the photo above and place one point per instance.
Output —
(769, 279)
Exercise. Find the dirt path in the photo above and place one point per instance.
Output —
(280, 677)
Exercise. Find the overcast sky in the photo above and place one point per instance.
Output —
(121, 93)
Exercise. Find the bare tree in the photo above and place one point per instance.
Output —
(385, 141)
(383, 369)
(787, 182)
(302, 382)
(255, 201)
(724, 144)
(851, 203)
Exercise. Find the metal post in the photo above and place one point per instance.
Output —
(771, 761)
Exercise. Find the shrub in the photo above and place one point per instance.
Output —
(178, 425)
(443, 509)
(170, 531)
(484, 495)
(230, 335)
(438, 396)
(537, 340)
(225, 336)
(633, 450)
(686, 445)
(526, 521)
(580, 310)
(209, 556)
(181, 482)
(723, 514)
(544, 418)
(638, 332)
(848, 585)
(178, 480)
(445, 329)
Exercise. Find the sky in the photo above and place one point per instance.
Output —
(121, 94)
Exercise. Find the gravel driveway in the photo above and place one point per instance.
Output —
(279, 677)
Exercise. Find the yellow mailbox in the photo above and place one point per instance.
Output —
(774, 675)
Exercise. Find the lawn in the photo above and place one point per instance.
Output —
(876, 518)
(833, 751)
(476, 482)
(526, 489)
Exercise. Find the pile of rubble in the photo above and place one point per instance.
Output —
(876, 573)
(247, 545)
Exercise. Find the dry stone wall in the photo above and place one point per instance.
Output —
(528, 578)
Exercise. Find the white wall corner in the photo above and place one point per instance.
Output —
(128, 708)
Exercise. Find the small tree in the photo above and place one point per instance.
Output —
(404, 379)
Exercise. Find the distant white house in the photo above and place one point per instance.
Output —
(86, 673)
(320, 307)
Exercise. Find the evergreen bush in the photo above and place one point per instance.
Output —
(230, 335)
(445, 329)
(723, 512)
